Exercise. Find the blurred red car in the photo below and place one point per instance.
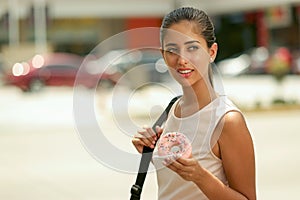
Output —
(54, 69)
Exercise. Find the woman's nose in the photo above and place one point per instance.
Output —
(182, 60)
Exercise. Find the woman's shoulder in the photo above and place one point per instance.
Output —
(233, 119)
(235, 126)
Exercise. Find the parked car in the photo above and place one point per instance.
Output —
(137, 66)
(53, 69)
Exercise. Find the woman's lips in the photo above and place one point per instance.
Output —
(185, 72)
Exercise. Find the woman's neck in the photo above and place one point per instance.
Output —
(195, 98)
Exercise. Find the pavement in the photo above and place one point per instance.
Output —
(43, 157)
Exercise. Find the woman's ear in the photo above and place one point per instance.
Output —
(213, 50)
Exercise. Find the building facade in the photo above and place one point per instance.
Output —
(42, 25)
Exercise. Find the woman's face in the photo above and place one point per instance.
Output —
(186, 53)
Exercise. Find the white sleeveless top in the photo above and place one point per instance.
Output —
(199, 129)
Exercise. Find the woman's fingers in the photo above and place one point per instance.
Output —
(150, 132)
(146, 137)
(145, 141)
(159, 131)
(185, 168)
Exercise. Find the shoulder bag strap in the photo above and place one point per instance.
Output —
(136, 189)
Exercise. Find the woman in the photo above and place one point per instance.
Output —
(222, 163)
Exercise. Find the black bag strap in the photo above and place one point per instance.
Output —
(136, 189)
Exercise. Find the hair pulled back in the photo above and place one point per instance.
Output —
(203, 23)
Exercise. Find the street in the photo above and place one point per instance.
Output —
(42, 156)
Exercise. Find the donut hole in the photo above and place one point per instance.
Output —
(175, 149)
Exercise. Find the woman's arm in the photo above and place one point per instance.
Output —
(237, 154)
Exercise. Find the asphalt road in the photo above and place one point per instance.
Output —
(42, 157)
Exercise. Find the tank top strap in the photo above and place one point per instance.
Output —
(222, 106)
(171, 112)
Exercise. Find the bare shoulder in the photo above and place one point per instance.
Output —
(234, 118)
(234, 121)
(235, 128)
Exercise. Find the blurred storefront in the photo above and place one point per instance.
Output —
(79, 27)
(270, 27)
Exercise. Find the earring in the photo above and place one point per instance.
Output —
(211, 59)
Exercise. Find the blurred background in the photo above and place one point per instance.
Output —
(44, 42)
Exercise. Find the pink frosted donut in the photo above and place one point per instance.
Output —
(174, 144)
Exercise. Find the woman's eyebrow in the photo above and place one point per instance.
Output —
(171, 44)
(188, 42)
(192, 41)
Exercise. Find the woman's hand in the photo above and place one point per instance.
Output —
(188, 168)
(146, 137)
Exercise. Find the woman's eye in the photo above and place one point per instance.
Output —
(171, 50)
(192, 48)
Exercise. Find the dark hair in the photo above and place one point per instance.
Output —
(203, 23)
